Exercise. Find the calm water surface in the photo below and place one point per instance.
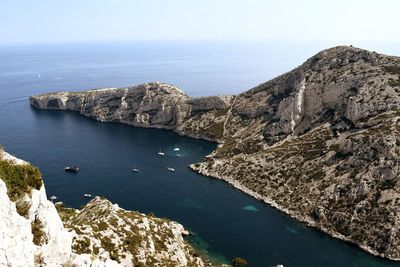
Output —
(227, 223)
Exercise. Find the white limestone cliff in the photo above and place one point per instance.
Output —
(39, 238)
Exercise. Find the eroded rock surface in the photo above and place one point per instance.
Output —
(319, 142)
(104, 230)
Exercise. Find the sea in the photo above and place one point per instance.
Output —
(224, 222)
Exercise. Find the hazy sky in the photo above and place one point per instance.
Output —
(339, 21)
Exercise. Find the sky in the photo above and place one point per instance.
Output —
(289, 21)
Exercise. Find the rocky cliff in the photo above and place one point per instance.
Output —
(320, 142)
(101, 234)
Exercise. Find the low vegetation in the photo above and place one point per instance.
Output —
(239, 261)
(39, 237)
(392, 69)
(19, 179)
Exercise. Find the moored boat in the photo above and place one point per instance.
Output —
(160, 152)
(171, 169)
(73, 169)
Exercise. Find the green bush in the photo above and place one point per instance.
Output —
(394, 83)
(39, 236)
(393, 69)
(19, 179)
(239, 261)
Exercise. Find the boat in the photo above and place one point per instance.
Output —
(177, 148)
(53, 198)
(135, 170)
(178, 155)
(171, 169)
(87, 195)
(73, 169)
(160, 152)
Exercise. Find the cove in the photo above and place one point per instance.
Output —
(227, 223)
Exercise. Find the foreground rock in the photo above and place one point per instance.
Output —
(104, 231)
(320, 142)
(101, 234)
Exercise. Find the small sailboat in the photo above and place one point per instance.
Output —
(53, 198)
(134, 169)
(87, 195)
(160, 152)
(171, 169)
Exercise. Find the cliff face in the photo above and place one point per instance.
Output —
(155, 105)
(101, 234)
(319, 142)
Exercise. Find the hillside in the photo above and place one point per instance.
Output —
(320, 142)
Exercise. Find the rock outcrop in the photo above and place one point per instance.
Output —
(104, 230)
(320, 143)
(100, 235)
(156, 105)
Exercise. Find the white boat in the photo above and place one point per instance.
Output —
(178, 155)
(53, 198)
(135, 170)
(160, 152)
(177, 148)
(87, 195)
(171, 169)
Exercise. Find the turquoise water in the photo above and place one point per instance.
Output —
(226, 222)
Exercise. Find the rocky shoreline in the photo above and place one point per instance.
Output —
(36, 232)
(286, 211)
(319, 143)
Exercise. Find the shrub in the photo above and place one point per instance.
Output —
(393, 69)
(39, 236)
(394, 83)
(82, 246)
(19, 179)
(216, 130)
(22, 207)
(239, 261)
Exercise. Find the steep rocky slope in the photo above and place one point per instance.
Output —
(104, 230)
(101, 234)
(319, 142)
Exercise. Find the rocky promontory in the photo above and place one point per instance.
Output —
(320, 143)
(35, 232)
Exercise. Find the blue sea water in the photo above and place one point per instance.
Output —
(226, 222)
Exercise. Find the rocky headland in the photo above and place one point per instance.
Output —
(320, 143)
(35, 232)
